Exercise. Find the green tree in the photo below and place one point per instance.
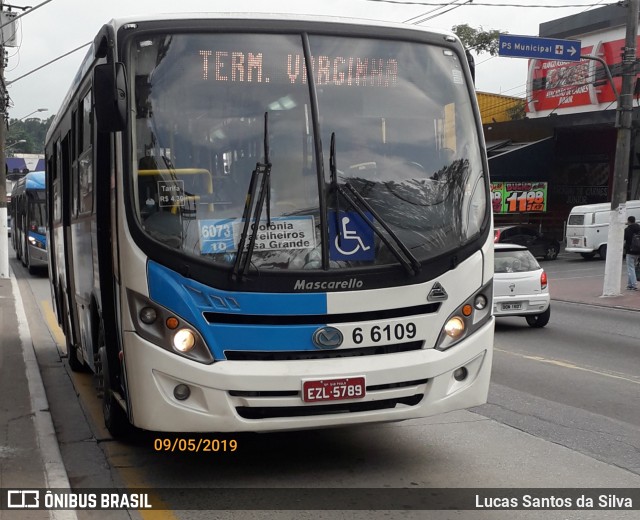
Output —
(33, 131)
(478, 40)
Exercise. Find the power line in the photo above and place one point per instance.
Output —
(48, 63)
(589, 7)
(433, 11)
(31, 9)
(443, 12)
(484, 4)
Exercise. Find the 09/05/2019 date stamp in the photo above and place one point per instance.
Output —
(180, 444)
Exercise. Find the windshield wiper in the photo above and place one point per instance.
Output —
(243, 259)
(401, 252)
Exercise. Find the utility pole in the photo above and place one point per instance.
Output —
(613, 265)
(4, 238)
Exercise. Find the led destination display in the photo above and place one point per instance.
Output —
(249, 67)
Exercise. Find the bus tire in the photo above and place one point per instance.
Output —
(75, 364)
(30, 268)
(74, 361)
(115, 418)
(25, 252)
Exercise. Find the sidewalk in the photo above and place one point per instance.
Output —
(588, 290)
(29, 453)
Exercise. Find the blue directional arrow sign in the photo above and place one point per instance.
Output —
(539, 48)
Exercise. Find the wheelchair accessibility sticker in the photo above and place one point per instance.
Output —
(351, 238)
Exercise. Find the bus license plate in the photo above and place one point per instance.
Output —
(511, 306)
(333, 389)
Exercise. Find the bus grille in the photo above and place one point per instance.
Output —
(296, 355)
(326, 409)
(296, 393)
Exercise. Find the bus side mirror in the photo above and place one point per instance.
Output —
(110, 97)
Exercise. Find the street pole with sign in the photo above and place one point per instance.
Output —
(7, 20)
(613, 265)
(4, 237)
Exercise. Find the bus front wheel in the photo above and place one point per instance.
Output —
(115, 418)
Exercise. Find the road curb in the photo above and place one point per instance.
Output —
(600, 305)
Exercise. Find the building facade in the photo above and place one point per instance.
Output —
(568, 139)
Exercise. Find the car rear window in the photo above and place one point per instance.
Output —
(576, 220)
(514, 262)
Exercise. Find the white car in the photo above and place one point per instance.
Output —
(520, 286)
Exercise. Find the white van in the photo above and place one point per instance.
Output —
(588, 228)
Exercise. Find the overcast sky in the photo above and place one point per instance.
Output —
(62, 25)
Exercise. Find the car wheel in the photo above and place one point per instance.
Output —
(587, 256)
(538, 321)
(603, 251)
(552, 252)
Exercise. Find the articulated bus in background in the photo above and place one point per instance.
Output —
(272, 223)
(29, 220)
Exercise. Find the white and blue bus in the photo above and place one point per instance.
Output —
(29, 221)
(265, 222)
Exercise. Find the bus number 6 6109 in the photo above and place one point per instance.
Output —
(398, 331)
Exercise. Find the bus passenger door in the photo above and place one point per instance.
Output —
(83, 254)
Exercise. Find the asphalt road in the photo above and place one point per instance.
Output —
(576, 382)
(563, 412)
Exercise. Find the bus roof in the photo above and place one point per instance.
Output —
(270, 16)
(34, 180)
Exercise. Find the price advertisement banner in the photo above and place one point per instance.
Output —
(519, 197)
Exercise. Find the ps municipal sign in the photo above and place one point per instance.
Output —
(539, 48)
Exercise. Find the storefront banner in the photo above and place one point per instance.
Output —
(519, 197)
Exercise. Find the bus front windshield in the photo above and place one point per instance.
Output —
(405, 142)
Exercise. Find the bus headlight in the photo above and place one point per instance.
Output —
(454, 328)
(36, 243)
(466, 319)
(163, 328)
(184, 340)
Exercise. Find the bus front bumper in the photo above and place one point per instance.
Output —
(267, 395)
